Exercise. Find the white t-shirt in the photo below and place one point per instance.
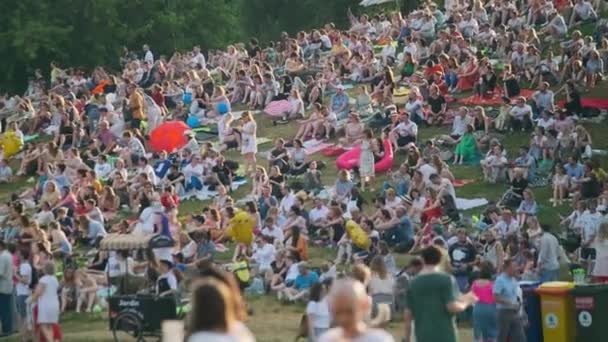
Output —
(149, 57)
(371, 335)
(292, 272)
(318, 213)
(198, 59)
(193, 171)
(546, 123)
(275, 233)
(427, 170)
(286, 203)
(103, 170)
(25, 271)
(414, 108)
(584, 10)
(520, 111)
(407, 129)
(264, 256)
(459, 126)
(319, 312)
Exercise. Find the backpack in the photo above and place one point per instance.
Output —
(35, 277)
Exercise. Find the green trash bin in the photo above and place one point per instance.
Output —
(591, 312)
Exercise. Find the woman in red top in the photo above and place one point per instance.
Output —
(432, 207)
(159, 97)
(169, 199)
(468, 75)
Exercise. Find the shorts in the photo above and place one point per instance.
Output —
(21, 304)
(231, 144)
(402, 141)
(289, 283)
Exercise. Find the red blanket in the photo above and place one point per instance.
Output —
(590, 103)
(494, 100)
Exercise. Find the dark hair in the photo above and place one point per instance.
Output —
(315, 292)
(431, 256)
(210, 306)
(210, 270)
(486, 270)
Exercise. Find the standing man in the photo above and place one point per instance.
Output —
(6, 291)
(432, 300)
(148, 56)
(136, 106)
(506, 294)
(548, 256)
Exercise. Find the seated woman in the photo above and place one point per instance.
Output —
(384, 89)
(486, 84)
(363, 102)
(437, 106)
(279, 156)
(353, 131)
(407, 66)
(494, 166)
(561, 184)
(510, 82)
(468, 75)
(229, 137)
(298, 163)
(307, 126)
(466, 149)
(594, 69)
(527, 207)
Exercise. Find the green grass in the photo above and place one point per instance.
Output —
(273, 321)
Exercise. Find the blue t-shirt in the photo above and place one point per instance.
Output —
(96, 229)
(405, 224)
(575, 171)
(161, 168)
(305, 282)
(264, 207)
(507, 288)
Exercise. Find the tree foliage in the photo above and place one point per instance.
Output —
(87, 33)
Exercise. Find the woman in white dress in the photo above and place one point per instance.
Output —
(366, 160)
(47, 299)
(249, 146)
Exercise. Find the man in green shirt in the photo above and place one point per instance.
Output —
(432, 300)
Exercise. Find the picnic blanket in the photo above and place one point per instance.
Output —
(589, 103)
(466, 204)
(462, 182)
(495, 100)
(313, 146)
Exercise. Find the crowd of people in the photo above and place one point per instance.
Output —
(84, 148)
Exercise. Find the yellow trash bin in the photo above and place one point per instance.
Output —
(557, 308)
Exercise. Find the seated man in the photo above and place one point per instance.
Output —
(399, 230)
(303, 282)
(404, 133)
(582, 12)
(340, 103)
